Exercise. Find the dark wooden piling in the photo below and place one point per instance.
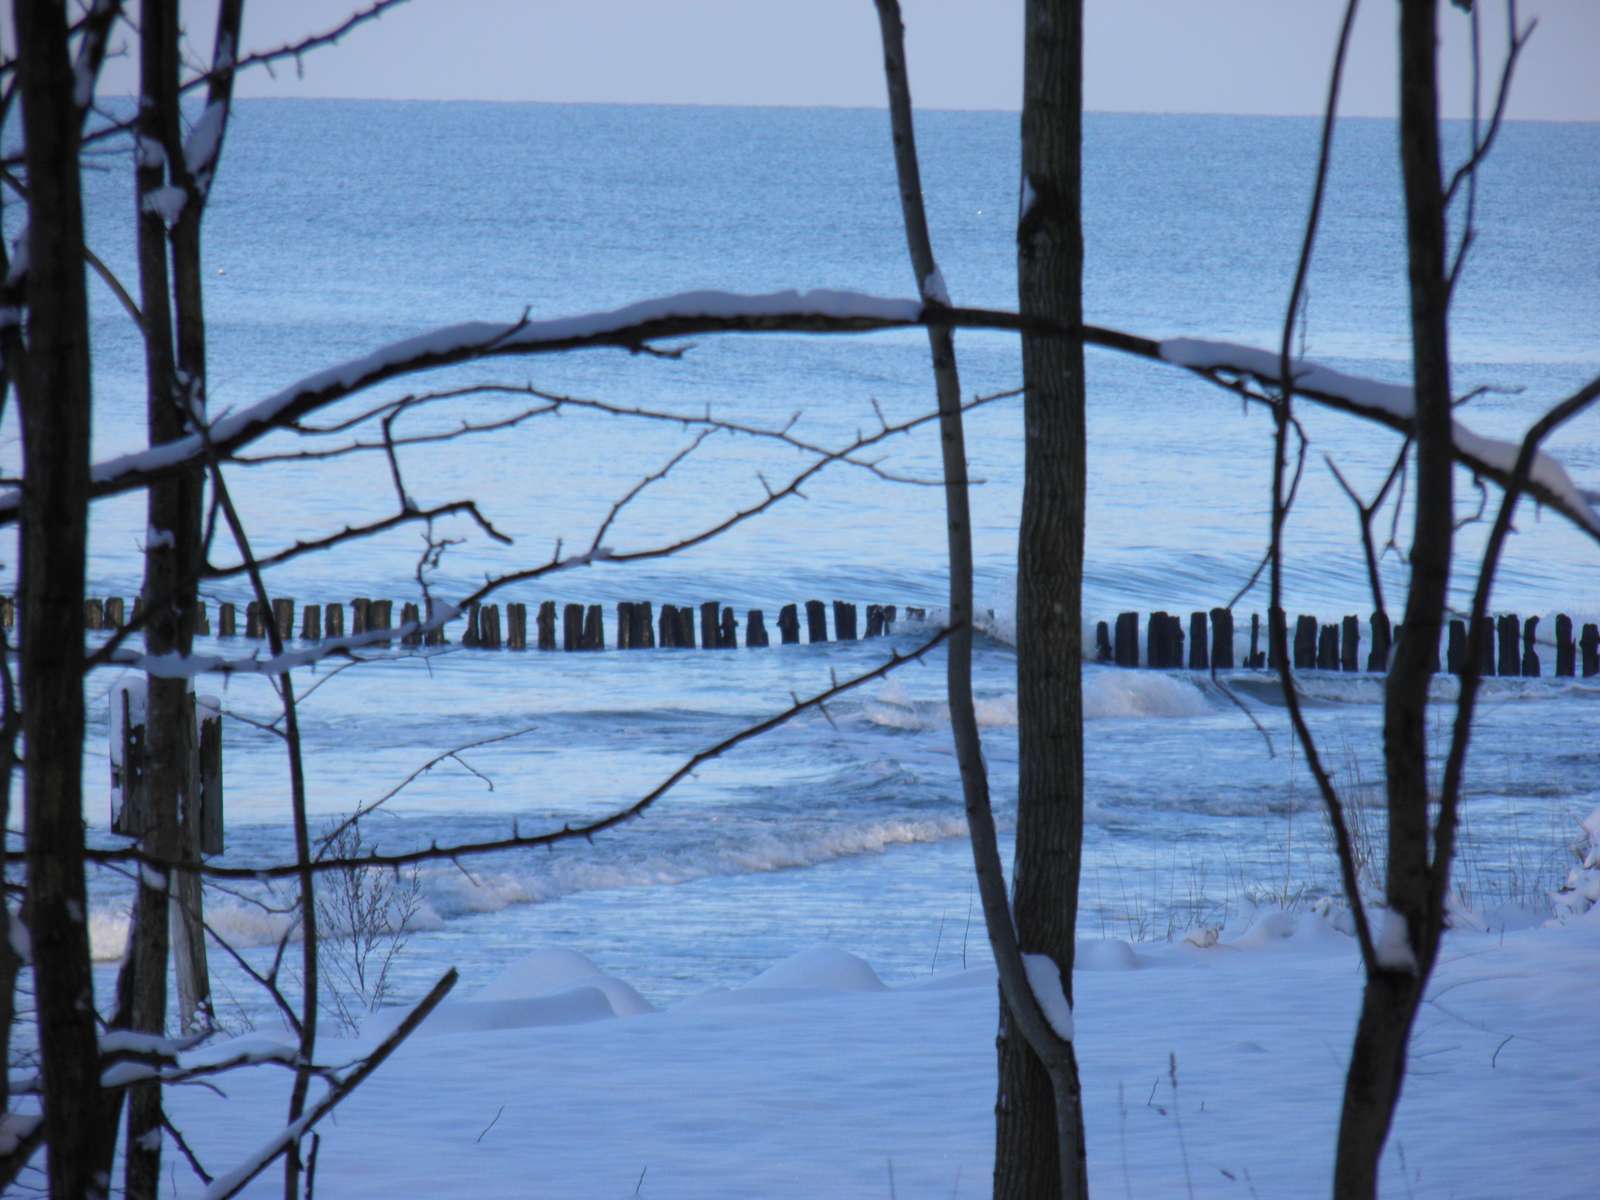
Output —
(1510, 660)
(94, 614)
(202, 624)
(624, 624)
(1328, 648)
(114, 613)
(1255, 660)
(728, 631)
(380, 616)
(283, 616)
(1127, 643)
(516, 626)
(1589, 644)
(572, 626)
(1482, 646)
(410, 617)
(471, 636)
(1155, 640)
(1566, 656)
(891, 614)
(1305, 643)
(1277, 638)
(358, 615)
(755, 631)
(1198, 658)
(332, 617)
(8, 612)
(594, 629)
(311, 623)
(1102, 643)
(686, 626)
(1455, 658)
(916, 614)
(489, 632)
(709, 611)
(667, 635)
(547, 625)
(253, 625)
(1350, 643)
(816, 621)
(789, 624)
(644, 631)
(435, 635)
(874, 621)
(1222, 639)
(1530, 655)
(844, 621)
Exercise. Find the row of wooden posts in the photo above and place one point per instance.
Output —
(571, 627)
(1503, 645)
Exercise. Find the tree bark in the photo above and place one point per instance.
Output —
(55, 436)
(1395, 989)
(1033, 1115)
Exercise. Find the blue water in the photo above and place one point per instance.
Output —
(336, 227)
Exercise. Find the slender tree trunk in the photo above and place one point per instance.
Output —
(1029, 1126)
(55, 435)
(1395, 989)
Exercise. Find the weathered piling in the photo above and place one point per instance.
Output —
(253, 627)
(1566, 651)
(435, 635)
(1127, 643)
(728, 631)
(1510, 660)
(875, 622)
(333, 618)
(1350, 643)
(755, 632)
(709, 612)
(114, 613)
(1277, 638)
(1102, 642)
(547, 625)
(572, 626)
(1199, 660)
(489, 633)
(844, 621)
(470, 637)
(1222, 639)
(94, 614)
(1589, 643)
(1530, 655)
(816, 621)
(360, 608)
(594, 629)
(410, 618)
(1305, 643)
(1328, 648)
(789, 624)
(311, 623)
(624, 624)
(283, 616)
(1455, 655)
(1254, 659)
(1482, 647)
(686, 626)
(516, 626)
(202, 626)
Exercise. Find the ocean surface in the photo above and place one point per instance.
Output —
(337, 227)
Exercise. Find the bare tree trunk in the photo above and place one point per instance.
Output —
(1049, 601)
(55, 434)
(1394, 990)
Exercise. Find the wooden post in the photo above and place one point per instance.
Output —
(334, 614)
(1198, 660)
(1350, 643)
(1277, 638)
(114, 613)
(283, 616)
(571, 626)
(1222, 639)
(1482, 648)
(1566, 658)
(1589, 643)
(844, 621)
(435, 635)
(1305, 643)
(816, 621)
(94, 614)
(1455, 655)
(755, 632)
(890, 615)
(1530, 656)
(594, 629)
(1127, 642)
(709, 612)
(410, 617)
(1174, 641)
(547, 625)
(1510, 661)
(916, 614)
(130, 783)
(489, 628)
(8, 612)
(516, 626)
(789, 624)
(311, 623)
(643, 636)
(1155, 644)
(202, 624)
(624, 624)
(1102, 642)
(686, 626)
(360, 609)
(874, 620)
(1328, 648)
(380, 615)
(667, 637)
(1254, 659)
(728, 635)
(254, 627)
(470, 636)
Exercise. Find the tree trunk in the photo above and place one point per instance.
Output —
(1049, 601)
(1395, 988)
(55, 437)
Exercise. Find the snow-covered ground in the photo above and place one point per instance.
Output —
(814, 1079)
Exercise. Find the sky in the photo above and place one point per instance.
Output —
(1222, 56)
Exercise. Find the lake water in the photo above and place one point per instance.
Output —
(337, 227)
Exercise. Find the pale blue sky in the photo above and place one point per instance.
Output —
(1236, 56)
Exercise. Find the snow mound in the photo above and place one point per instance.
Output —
(821, 969)
(1107, 955)
(546, 973)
